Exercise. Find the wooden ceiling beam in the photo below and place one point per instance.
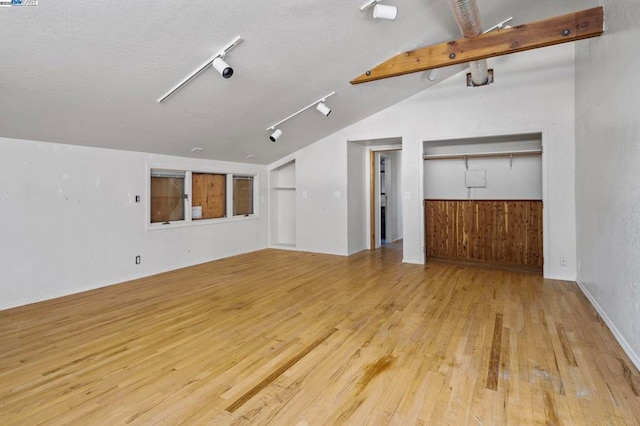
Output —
(548, 32)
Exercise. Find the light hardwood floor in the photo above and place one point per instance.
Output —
(288, 338)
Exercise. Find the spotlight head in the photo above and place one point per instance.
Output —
(323, 109)
(383, 11)
(222, 67)
(275, 135)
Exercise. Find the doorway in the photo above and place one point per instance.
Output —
(385, 201)
(386, 198)
(363, 194)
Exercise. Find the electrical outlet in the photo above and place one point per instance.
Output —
(563, 261)
(138, 259)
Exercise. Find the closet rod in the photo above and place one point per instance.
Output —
(521, 153)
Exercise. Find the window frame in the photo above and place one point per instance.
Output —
(188, 190)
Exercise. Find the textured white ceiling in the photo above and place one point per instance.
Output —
(90, 72)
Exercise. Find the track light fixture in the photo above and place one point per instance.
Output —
(381, 11)
(320, 106)
(275, 135)
(500, 25)
(217, 62)
(222, 67)
(323, 109)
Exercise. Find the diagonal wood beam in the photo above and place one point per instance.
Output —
(559, 29)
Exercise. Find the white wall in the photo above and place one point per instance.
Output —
(519, 178)
(445, 179)
(70, 222)
(322, 217)
(284, 202)
(358, 185)
(608, 172)
(533, 93)
(282, 205)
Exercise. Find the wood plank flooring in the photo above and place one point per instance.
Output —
(288, 338)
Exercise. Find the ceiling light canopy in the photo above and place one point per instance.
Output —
(381, 11)
(320, 106)
(217, 62)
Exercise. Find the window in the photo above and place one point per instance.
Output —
(209, 196)
(167, 196)
(242, 195)
(195, 196)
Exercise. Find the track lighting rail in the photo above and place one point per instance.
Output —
(324, 98)
(202, 67)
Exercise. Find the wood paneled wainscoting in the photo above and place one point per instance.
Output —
(506, 232)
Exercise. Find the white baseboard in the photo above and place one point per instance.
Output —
(413, 261)
(330, 252)
(621, 340)
(560, 277)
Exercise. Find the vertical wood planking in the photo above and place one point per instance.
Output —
(508, 231)
(535, 223)
(209, 192)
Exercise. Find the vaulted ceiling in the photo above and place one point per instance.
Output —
(89, 73)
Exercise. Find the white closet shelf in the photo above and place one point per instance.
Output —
(521, 153)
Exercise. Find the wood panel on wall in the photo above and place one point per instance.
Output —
(496, 231)
(209, 191)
